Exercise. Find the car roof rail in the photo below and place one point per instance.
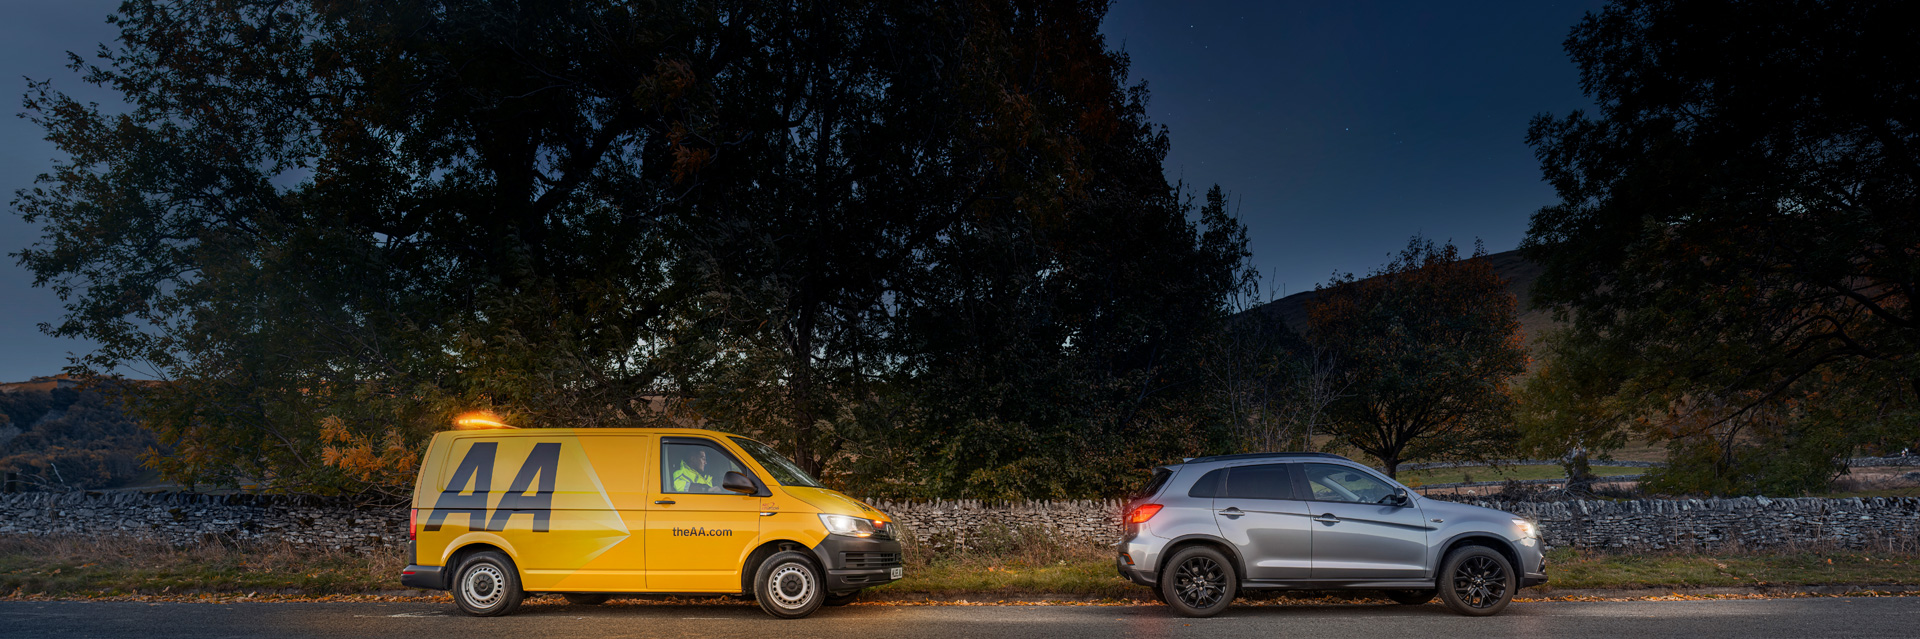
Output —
(1239, 456)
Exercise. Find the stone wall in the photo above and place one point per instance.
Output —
(1678, 524)
(181, 519)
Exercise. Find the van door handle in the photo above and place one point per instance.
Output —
(664, 502)
(1327, 518)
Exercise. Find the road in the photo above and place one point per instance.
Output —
(1813, 617)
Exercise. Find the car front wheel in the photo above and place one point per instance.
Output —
(1198, 582)
(1477, 581)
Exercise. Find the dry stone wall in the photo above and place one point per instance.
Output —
(182, 519)
(1642, 525)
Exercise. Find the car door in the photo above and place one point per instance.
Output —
(1357, 534)
(698, 533)
(1258, 514)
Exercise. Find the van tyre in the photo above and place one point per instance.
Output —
(1198, 582)
(1411, 597)
(1477, 581)
(788, 586)
(487, 585)
(587, 598)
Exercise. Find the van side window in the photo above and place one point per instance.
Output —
(1266, 481)
(695, 468)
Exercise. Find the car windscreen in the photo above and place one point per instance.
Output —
(783, 470)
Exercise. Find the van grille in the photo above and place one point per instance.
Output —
(870, 559)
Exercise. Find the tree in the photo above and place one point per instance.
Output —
(331, 226)
(1570, 407)
(1740, 216)
(1429, 342)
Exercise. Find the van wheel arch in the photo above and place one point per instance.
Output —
(461, 553)
(768, 549)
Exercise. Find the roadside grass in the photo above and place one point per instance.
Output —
(1417, 478)
(1000, 565)
(119, 566)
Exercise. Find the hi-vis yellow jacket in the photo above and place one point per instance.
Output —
(590, 510)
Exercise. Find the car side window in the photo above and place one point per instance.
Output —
(1333, 482)
(1209, 484)
(695, 468)
(1265, 481)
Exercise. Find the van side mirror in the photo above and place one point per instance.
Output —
(736, 482)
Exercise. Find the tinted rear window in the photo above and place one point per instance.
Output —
(1209, 485)
(1266, 481)
(1160, 477)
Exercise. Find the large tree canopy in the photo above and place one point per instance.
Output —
(923, 247)
(1743, 214)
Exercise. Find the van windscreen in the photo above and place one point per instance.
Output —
(783, 470)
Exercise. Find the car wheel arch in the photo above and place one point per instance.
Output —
(1476, 538)
(1226, 548)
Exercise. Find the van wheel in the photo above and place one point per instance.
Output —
(487, 585)
(1411, 597)
(587, 598)
(1476, 581)
(1198, 582)
(788, 586)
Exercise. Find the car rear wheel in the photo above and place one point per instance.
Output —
(487, 585)
(1198, 582)
(788, 586)
(586, 598)
(1477, 581)
(1411, 597)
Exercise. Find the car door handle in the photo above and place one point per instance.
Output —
(1327, 518)
(664, 502)
(1232, 512)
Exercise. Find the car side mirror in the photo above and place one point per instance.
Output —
(738, 483)
(1399, 497)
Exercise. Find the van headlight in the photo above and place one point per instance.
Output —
(849, 526)
(1527, 529)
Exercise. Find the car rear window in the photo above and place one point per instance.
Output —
(1209, 484)
(1160, 477)
(1266, 481)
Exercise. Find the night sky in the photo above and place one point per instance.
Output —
(1340, 129)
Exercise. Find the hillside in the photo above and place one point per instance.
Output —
(1518, 271)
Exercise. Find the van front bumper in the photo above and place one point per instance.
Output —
(853, 563)
(423, 577)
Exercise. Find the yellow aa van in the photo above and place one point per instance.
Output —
(593, 512)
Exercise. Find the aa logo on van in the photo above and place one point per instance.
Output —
(476, 470)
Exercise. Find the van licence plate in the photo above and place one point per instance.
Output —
(898, 573)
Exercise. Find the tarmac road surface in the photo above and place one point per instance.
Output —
(1810, 617)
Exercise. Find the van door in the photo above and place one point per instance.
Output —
(1356, 536)
(698, 534)
(1257, 512)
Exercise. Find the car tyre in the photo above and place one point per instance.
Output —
(841, 600)
(1411, 597)
(788, 585)
(1198, 581)
(487, 585)
(587, 598)
(1477, 581)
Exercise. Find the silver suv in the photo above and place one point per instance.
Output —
(1205, 529)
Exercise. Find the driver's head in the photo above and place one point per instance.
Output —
(698, 460)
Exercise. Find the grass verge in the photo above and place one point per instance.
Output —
(115, 566)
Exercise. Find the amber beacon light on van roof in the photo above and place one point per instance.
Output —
(479, 420)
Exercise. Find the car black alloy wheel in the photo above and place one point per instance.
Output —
(1480, 582)
(1199, 582)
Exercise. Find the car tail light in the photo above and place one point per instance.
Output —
(1142, 513)
(413, 523)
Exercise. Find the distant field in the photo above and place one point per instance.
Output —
(1432, 476)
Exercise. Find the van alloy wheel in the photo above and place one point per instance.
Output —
(1200, 582)
(1480, 582)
